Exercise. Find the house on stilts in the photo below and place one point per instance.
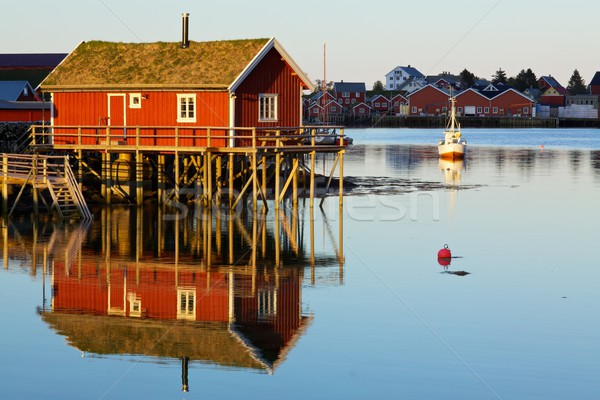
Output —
(210, 120)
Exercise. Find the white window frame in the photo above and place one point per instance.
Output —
(184, 311)
(267, 303)
(185, 113)
(460, 110)
(525, 110)
(135, 100)
(486, 110)
(345, 94)
(267, 107)
(479, 110)
(495, 110)
(414, 109)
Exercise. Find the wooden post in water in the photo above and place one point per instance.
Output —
(218, 178)
(139, 178)
(230, 194)
(4, 185)
(161, 179)
(35, 190)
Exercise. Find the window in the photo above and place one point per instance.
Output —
(495, 110)
(346, 94)
(459, 109)
(377, 104)
(414, 109)
(357, 95)
(135, 305)
(267, 107)
(502, 111)
(267, 303)
(486, 110)
(135, 100)
(361, 110)
(333, 108)
(347, 101)
(445, 109)
(186, 105)
(186, 304)
(353, 101)
(526, 110)
(478, 110)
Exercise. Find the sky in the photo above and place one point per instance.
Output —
(364, 39)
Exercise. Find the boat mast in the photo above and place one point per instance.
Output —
(325, 116)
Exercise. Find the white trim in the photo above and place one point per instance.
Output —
(272, 43)
(232, 118)
(195, 109)
(122, 95)
(132, 100)
(269, 115)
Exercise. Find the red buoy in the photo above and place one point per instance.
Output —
(445, 252)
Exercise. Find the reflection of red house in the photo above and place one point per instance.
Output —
(129, 302)
(429, 100)
(243, 83)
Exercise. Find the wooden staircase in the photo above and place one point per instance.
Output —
(51, 173)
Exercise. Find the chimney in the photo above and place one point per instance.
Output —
(185, 42)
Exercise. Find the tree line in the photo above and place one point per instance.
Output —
(523, 80)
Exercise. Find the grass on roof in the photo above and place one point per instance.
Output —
(203, 63)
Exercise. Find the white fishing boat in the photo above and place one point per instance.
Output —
(453, 146)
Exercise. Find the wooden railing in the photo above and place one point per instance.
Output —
(140, 137)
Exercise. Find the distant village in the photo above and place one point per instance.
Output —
(405, 91)
(408, 92)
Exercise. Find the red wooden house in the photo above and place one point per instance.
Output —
(19, 103)
(349, 93)
(399, 104)
(361, 110)
(429, 100)
(234, 83)
(472, 102)
(553, 93)
(380, 104)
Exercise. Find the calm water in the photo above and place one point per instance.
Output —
(351, 305)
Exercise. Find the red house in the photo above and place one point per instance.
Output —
(361, 110)
(429, 100)
(19, 103)
(233, 83)
(553, 94)
(494, 100)
(399, 105)
(349, 93)
(380, 104)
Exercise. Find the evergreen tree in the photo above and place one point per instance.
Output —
(467, 79)
(378, 87)
(523, 80)
(576, 84)
(499, 76)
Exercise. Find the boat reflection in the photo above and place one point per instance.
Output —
(452, 170)
(214, 289)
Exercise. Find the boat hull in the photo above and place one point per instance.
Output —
(452, 151)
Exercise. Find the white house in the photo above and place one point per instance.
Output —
(396, 77)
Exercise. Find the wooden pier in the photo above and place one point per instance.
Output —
(211, 165)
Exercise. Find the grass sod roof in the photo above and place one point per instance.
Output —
(203, 64)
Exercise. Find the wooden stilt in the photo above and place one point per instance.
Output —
(4, 185)
(231, 171)
(277, 179)
(139, 179)
(160, 179)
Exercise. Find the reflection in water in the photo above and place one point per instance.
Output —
(217, 289)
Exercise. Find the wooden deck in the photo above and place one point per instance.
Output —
(216, 158)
